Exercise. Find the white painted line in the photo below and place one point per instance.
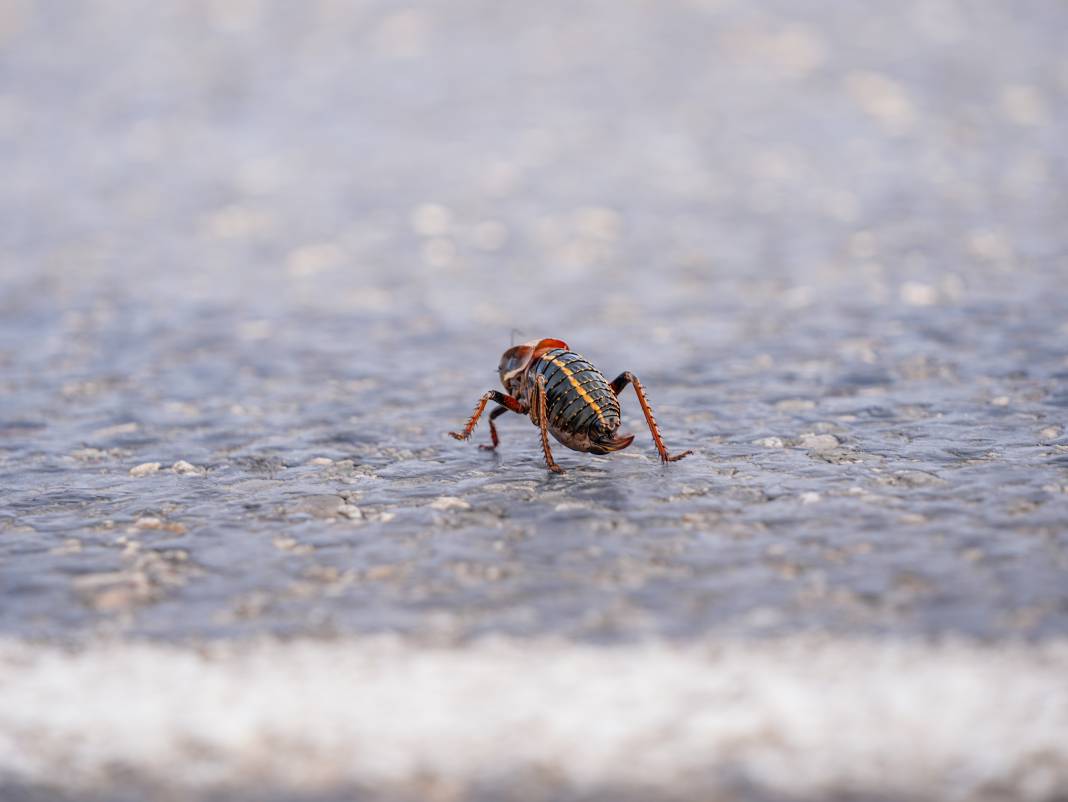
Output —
(798, 716)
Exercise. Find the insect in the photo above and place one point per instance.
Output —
(565, 396)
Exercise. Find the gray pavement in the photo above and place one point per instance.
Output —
(257, 258)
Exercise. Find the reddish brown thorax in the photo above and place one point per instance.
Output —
(516, 360)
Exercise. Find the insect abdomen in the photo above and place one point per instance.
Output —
(578, 398)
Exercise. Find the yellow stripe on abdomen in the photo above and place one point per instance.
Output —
(589, 399)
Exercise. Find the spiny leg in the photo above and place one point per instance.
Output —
(621, 381)
(493, 429)
(543, 424)
(490, 395)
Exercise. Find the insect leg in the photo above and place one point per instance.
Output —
(490, 395)
(493, 429)
(621, 381)
(543, 424)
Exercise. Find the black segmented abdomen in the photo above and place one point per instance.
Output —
(577, 396)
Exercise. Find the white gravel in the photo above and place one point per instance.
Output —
(799, 716)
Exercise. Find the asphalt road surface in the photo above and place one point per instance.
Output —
(257, 258)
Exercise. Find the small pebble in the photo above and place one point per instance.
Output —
(144, 469)
(819, 442)
(770, 442)
(154, 522)
(89, 454)
(321, 461)
(350, 511)
(810, 497)
(183, 468)
(284, 543)
(565, 506)
(449, 503)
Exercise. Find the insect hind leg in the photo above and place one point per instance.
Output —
(618, 384)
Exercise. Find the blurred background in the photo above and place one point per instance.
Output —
(257, 257)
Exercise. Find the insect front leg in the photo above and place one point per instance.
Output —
(493, 429)
(621, 381)
(507, 401)
(543, 424)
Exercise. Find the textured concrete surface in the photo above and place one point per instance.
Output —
(257, 258)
